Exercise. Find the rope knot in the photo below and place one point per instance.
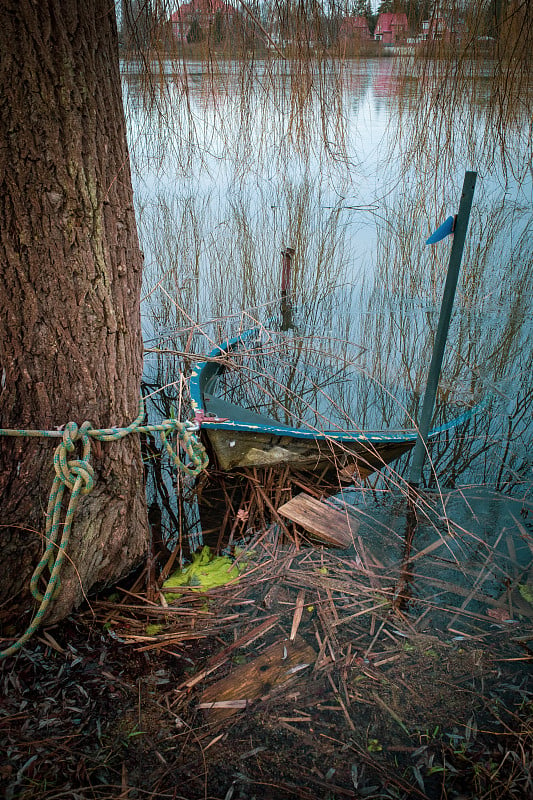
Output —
(69, 472)
(188, 441)
(73, 434)
(74, 470)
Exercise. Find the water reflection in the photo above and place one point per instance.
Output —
(447, 571)
(248, 161)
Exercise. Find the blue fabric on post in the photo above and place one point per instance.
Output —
(444, 230)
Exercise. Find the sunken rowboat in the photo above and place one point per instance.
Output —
(240, 437)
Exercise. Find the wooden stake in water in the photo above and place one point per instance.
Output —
(460, 228)
(286, 284)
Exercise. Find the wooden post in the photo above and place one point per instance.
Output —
(461, 225)
(286, 271)
(286, 285)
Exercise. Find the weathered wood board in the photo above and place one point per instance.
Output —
(329, 525)
(278, 664)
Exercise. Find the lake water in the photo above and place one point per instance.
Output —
(232, 166)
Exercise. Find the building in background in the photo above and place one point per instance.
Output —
(354, 28)
(391, 29)
(199, 19)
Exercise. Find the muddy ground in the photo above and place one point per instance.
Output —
(145, 696)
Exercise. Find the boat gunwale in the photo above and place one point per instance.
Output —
(196, 389)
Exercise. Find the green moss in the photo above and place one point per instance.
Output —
(526, 590)
(153, 630)
(205, 572)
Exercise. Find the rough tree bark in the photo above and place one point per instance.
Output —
(70, 269)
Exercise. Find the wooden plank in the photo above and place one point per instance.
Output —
(325, 523)
(278, 664)
(223, 656)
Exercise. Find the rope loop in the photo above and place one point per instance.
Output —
(188, 442)
(75, 470)
(69, 472)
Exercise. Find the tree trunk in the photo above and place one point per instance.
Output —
(70, 264)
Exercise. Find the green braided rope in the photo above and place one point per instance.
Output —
(77, 475)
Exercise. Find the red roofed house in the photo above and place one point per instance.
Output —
(391, 28)
(204, 12)
(354, 28)
(435, 29)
